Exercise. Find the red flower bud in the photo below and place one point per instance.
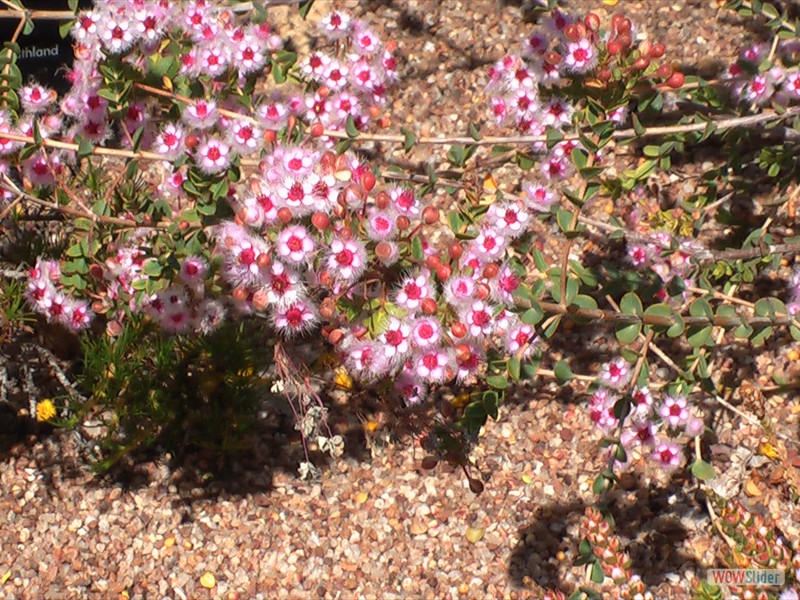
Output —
(677, 80)
(443, 272)
(455, 250)
(641, 63)
(324, 91)
(613, 47)
(433, 262)
(490, 271)
(625, 40)
(458, 329)
(403, 222)
(239, 293)
(284, 214)
(658, 50)
(335, 336)
(263, 260)
(382, 200)
(572, 33)
(320, 220)
(383, 250)
(604, 75)
(316, 131)
(664, 71)
(552, 57)
(429, 306)
(430, 215)
(374, 111)
(368, 181)
(260, 300)
(592, 22)
(463, 352)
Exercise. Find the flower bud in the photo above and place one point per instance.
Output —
(645, 46)
(658, 50)
(403, 222)
(327, 308)
(552, 57)
(367, 181)
(463, 352)
(326, 279)
(443, 272)
(270, 135)
(456, 250)
(324, 91)
(641, 63)
(429, 306)
(664, 71)
(384, 250)
(677, 80)
(263, 260)
(284, 214)
(191, 142)
(625, 40)
(433, 262)
(320, 220)
(374, 111)
(382, 200)
(336, 336)
(430, 215)
(604, 75)
(183, 225)
(260, 300)
(592, 22)
(482, 291)
(572, 33)
(240, 294)
(613, 47)
(316, 131)
(458, 330)
(490, 271)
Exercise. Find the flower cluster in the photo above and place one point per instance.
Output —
(46, 296)
(652, 428)
(757, 78)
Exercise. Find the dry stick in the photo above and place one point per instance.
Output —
(720, 296)
(34, 15)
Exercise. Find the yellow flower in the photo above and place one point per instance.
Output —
(45, 410)
(610, 2)
(342, 379)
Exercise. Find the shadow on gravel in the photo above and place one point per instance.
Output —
(648, 519)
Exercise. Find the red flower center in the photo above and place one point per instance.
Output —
(247, 256)
(425, 331)
(294, 243)
(345, 257)
(413, 291)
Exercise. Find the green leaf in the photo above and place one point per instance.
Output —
(627, 332)
(638, 128)
(562, 371)
(85, 147)
(597, 574)
(491, 403)
(514, 367)
(580, 158)
(409, 139)
(599, 484)
(703, 470)
(472, 129)
(701, 308)
(417, 250)
(497, 381)
(350, 127)
(305, 7)
(631, 305)
(533, 315)
(698, 335)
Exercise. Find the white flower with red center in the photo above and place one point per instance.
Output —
(754, 54)
(317, 108)
(85, 26)
(471, 260)
(36, 98)
(381, 225)
(674, 411)
(536, 45)
(759, 90)
(347, 259)
(395, 339)
(557, 113)
(510, 217)
(345, 105)
(459, 291)
(193, 270)
(283, 286)
(555, 168)
(8, 146)
(41, 169)
(149, 25)
(365, 42)
(240, 250)
(521, 338)
(213, 156)
(521, 78)
(210, 315)
(616, 374)
(202, 114)
(245, 137)
(177, 320)
(581, 56)
(505, 284)
(79, 315)
(94, 106)
(249, 56)
(314, 66)
(410, 389)
(274, 115)
(619, 115)
(792, 84)
(478, 319)
(363, 75)
(405, 202)
(295, 319)
(335, 25)
(298, 194)
(135, 118)
(326, 193)
(499, 109)
(642, 400)
(295, 244)
(525, 102)
(335, 76)
(638, 254)
(427, 332)
(366, 360)
(601, 411)
(639, 432)
(434, 366)
(412, 291)
(667, 455)
(189, 62)
(94, 131)
(468, 364)
(169, 141)
(489, 245)
(299, 161)
(116, 34)
(389, 63)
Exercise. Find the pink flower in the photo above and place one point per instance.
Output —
(581, 56)
(519, 337)
(489, 245)
(364, 41)
(459, 291)
(298, 162)
(616, 374)
(405, 202)
(427, 332)
(556, 168)
(366, 360)
(202, 114)
(169, 141)
(336, 76)
(642, 400)
(249, 55)
(193, 269)
(505, 284)
(434, 366)
(509, 217)
(667, 455)
(245, 137)
(213, 155)
(295, 244)
(381, 225)
(295, 319)
(298, 194)
(641, 432)
(314, 65)
(601, 410)
(412, 291)
(395, 339)
(557, 113)
(674, 411)
(478, 319)
(347, 259)
(411, 390)
(116, 34)
(335, 25)
(36, 98)
(467, 366)
(540, 198)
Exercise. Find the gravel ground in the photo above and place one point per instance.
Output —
(374, 525)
